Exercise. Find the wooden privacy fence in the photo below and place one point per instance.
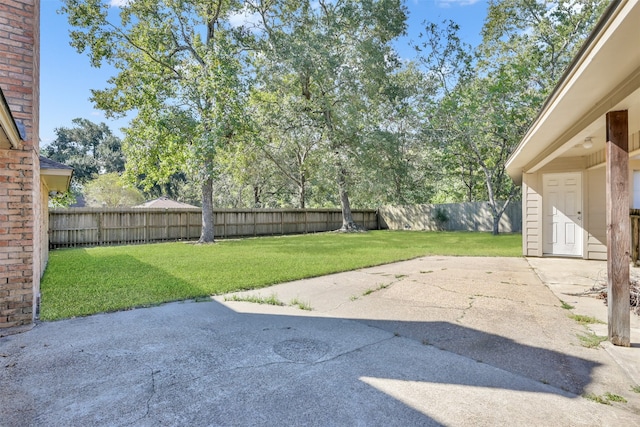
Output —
(469, 216)
(116, 226)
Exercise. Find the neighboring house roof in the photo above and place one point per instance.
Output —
(56, 176)
(80, 202)
(604, 76)
(10, 134)
(165, 203)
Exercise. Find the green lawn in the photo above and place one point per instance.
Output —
(80, 282)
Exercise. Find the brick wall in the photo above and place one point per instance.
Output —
(20, 198)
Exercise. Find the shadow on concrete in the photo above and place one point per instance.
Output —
(205, 364)
(562, 371)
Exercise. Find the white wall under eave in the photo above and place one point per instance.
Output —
(594, 218)
(44, 226)
(596, 214)
(531, 215)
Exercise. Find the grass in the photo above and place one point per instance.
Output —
(567, 306)
(585, 320)
(86, 281)
(270, 300)
(606, 398)
(635, 389)
(379, 288)
(302, 305)
(591, 340)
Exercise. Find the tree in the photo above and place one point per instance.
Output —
(109, 190)
(179, 66)
(340, 55)
(490, 96)
(394, 158)
(289, 138)
(87, 147)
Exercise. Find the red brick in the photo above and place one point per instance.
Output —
(12, 263)
(20, 266)
(16, 279)
(12, 237)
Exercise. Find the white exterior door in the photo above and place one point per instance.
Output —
(562, 214)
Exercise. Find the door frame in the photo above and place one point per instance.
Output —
(581, 246)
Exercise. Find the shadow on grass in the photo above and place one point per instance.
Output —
(103, 288)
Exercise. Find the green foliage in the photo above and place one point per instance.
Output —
(109, 190)
(330, 64)
(80, 282)
(310, 97)
(488, 97)
(87, 147)
(440, 217)
(62, 200)
(179, 66)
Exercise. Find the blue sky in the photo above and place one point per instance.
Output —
(67, 77)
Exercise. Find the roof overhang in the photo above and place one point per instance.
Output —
(55, 176)
(56, 180)
(603, 77)
(9, 133)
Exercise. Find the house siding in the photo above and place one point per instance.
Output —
(20, 196)
(594, 223)
(531, 212)
(594, 206)
(596, 215)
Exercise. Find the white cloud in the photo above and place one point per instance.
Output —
(119, 3)
(242, 18)
(449, 3)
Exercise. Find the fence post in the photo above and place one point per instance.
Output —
(145, 222)
(188, 231)
(100, 231)
(166, 226)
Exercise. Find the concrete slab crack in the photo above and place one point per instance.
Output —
(151, 395)
(464, 311)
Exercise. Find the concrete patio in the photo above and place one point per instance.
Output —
(432, 341)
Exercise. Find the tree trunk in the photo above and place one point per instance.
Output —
(348, 224)
(496, 224)
(303, 193)
(497, 213)
(256, 196)
(207, 233)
